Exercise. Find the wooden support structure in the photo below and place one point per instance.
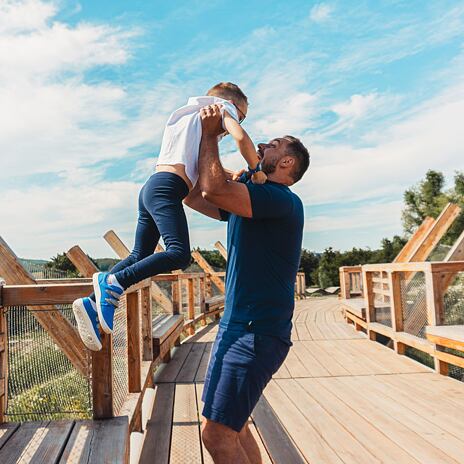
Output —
(209, 271)
(3, 358)
(222, 249)
(134, 349)
(123, 252)
(56, 325)
(102, 361)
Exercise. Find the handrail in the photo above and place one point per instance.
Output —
(139, 332)
(384, 285)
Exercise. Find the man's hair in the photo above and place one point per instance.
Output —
(296, 149)
(228, 91)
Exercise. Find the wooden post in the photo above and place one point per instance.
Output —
(102, 361)
(369, 299)
(405, 254)
(345, 283)
(147, 328)
(176, 297)
(396, 307)
(62, 332)
(191, 305)
(435, 308)
(202, 299)
(3, 358)
(134, 359)
(102, 379)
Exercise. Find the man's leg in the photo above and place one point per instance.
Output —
(223, 443)
(248, 442)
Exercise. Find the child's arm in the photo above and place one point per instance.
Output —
(245, 146)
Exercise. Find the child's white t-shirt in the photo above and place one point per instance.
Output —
(182, 134)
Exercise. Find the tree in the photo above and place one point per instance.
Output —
(61, 262)
(214, 258)
(428, 198)
(308, 264)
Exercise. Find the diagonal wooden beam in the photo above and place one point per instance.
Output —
(406, 252)
(207, 269)
(123, 252)
(60, 329)
(222, 249)
(430, 240)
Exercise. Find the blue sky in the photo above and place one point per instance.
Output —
(374, 88)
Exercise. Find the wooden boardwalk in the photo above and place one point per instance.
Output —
(340, 397)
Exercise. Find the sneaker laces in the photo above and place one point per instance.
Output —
(115, 300)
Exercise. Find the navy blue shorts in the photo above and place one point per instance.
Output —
(241, 365)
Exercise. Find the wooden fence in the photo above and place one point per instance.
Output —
(407, 302)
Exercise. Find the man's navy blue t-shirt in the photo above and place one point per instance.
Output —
(263, 259)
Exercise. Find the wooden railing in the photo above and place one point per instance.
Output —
(139, 320)
(350, 281)
(395, 311)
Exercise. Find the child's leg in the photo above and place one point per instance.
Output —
(146, 238)
(162, 198)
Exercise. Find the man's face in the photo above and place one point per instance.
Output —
(271, 153)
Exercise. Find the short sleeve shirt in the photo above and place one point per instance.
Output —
(263, 259)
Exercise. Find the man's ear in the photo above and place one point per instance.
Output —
(287, 162)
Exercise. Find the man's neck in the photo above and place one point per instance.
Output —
(278, 178)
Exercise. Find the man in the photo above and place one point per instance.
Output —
(265, 227)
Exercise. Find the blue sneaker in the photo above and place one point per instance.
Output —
(107, 298)
(87, 323)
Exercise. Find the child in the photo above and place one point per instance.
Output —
(161, 212)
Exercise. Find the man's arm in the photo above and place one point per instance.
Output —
(216, 189)
(196, 201)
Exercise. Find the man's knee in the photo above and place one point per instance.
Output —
(217, 437)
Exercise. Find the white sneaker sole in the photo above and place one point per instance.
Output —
(101, 319)
(85, 327)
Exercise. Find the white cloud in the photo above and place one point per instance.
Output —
(321, 12)
(384, 215)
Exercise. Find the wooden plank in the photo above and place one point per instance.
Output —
(451, 336)
(392, 426)
(203, 366)
(313, 447)
(207, 459)
(38, 442)
(116, 244)
(191, 305)
(370, 436)
(82, 262)
(157, 441)
(134, 353)
(406, 252)
(348, 449)
(451, 447)
(190, 367)
(171, 370)
(44, 295)
(185, 442)
(164, 328)
(274, 435)
(6, 431)
(110, 443)
(222, 249)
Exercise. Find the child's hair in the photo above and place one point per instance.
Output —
(228, 91)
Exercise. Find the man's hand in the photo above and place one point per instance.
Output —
(211, 120)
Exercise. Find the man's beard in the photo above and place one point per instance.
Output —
(268, 166)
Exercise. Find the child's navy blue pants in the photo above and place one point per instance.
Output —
(161, 214)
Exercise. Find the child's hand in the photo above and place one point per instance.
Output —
(258, 177)
(236, 175)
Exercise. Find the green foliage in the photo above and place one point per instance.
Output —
(214, 258)
(428, 198)
(61, 262)
(309, 264)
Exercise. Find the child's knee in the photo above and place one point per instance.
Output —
(180, 257)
